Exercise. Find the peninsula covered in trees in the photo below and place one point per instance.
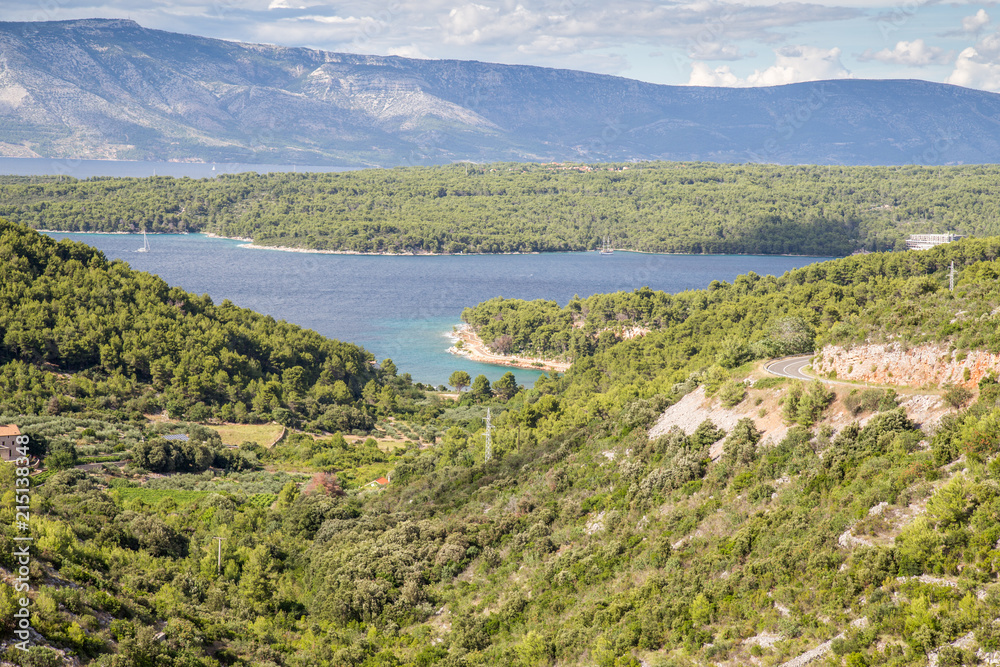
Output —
(879, 296)
(514, 207)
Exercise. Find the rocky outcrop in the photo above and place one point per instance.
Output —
(929, 365)
(763, 406)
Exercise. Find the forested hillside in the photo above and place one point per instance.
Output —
(583, 541)
(81, 333)
(507, 207)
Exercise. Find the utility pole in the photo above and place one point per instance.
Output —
(489, 435)
(951, 277)
(218, 567)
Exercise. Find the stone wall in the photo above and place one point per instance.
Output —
(920, 366)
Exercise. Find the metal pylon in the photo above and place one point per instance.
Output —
(489, 435)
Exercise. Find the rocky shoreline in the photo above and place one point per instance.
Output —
(475, 349)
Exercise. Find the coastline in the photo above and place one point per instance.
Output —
(475, 350)
(249, 244)
(67, 231)
(316, 251)
(213, 235)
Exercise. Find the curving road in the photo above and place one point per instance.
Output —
(791, 367)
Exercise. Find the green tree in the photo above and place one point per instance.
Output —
(953, 503)
(454, 447)
(387, 400)
(289, 492)
(61, 456)
(740, 447)
(506, 386)
(812, 404)
(481, 390)
(459, 380)
(957, 396)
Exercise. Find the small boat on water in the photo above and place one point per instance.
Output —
(606, 248)
(145, 243)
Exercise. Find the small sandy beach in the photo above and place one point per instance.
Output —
(474, 348)
(316, 251)
(416, 253)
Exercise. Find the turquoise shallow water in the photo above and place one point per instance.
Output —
(404, 307)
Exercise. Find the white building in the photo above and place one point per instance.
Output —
(8, 442)
(927, 241)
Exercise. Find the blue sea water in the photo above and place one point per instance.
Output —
(404, 307)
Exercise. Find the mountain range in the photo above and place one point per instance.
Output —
(108, 88)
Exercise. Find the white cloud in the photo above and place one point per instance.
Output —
(704, 27)
(976, 22)
(717, 51)
(410, 51)
(910, 54)
(350, 33)
(703, 75)
(971, 72)
(988, 48)
(548, 44)
(336, 20)
(478, 24)
(979, 66)
(792, 64)
(801, 63)
(466, 24)
(288, 4)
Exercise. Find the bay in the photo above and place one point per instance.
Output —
(404, 307)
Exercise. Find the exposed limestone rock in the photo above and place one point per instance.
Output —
(764, 408)
(695, 408)
(927, 365)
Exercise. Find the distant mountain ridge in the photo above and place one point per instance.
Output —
(103, 88)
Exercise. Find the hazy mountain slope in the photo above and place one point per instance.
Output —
(110, 88)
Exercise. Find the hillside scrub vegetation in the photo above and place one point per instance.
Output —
(583, 541)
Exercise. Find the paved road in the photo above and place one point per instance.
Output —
(791, 367)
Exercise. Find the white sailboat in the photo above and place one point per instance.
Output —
(606, 248)
(145, 243)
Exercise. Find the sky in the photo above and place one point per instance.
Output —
(701, 42)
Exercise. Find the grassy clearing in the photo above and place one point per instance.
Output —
(153, 496)
(356, 478)
(387, 445)
(236, 434)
